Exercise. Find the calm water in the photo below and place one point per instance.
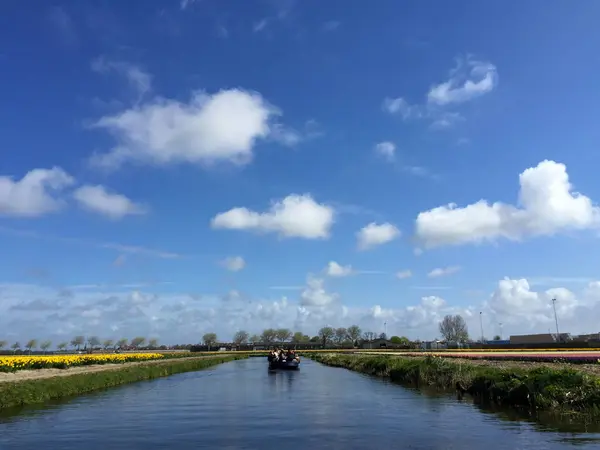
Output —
(240, 406)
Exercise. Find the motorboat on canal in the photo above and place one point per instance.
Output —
(292, 364)
(278, 360)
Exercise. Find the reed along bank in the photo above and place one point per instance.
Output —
(38, 390)
(562, 389)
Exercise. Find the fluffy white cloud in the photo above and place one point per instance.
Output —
(548, 206)
(315, 294)
(113, 311)
(373, 235)
(478, 79)
(443, 271)
(334, 269)
(404, 274)
(222, 127)
(468, 80)
(294, 216)
(234, 263)
(513, 301)
(386, 149)
(112, 205)
(35, 194)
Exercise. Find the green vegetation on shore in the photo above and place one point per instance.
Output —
(43, 389)
(539, 388)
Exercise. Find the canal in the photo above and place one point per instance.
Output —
(239, 405)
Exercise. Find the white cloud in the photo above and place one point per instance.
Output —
(373, 235)
(315, 294)
(443, 271)
(386, 149)
(138, 79)
(548, 205)
(469, 80)
(334, 269)
(513, 302)
(99, 200)
(222, 127)
(400, 106)
(234, 263)
(481, 78)
(35, 194)
(294, 216)
(118, 311)
(404, 274)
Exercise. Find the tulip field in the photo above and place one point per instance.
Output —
(570, 357)
(15, 363)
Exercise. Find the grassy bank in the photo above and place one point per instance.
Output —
(41, 390)
(539, 388)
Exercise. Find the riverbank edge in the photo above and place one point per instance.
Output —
(27, 392)
(564, 390)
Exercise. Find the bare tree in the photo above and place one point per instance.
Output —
(209, 339)
(283, 335)
(138, 341)
(16, 346)
(340, 335)
(369, 336)
(255, 338)
(32, 344)
(454, 329)
(241, 337)
(107, 344)
(94, 342)
(62, 346)
(78, 341)
(383, 336)
(326, 334)
(153, 343)
(45, 346)
(2, 344)
(122, 343)
(354, 333)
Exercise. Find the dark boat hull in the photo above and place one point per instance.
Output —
(284, 365)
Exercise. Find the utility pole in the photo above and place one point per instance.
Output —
(481, 325)
(555, 319)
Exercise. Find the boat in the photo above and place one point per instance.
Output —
(292, 364)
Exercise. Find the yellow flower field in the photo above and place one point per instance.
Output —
(14, 363)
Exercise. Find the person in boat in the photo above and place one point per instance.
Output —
(291, 355)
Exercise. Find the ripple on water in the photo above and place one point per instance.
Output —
(241, 406)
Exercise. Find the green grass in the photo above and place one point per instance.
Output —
(540, 388)
(37, 391)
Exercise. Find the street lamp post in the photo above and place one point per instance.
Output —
(555, 319)
(481, 325)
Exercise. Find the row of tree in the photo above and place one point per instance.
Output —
(88, 343)
(452, 328)
(325, 336)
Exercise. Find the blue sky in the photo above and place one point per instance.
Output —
(144, 150)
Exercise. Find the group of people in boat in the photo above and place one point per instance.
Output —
(279, 355)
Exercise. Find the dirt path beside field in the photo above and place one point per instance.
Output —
(38, 374)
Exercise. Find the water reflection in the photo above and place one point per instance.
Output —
(242, 405)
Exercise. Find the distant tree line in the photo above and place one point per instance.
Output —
(78, 343)
(452, 328)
